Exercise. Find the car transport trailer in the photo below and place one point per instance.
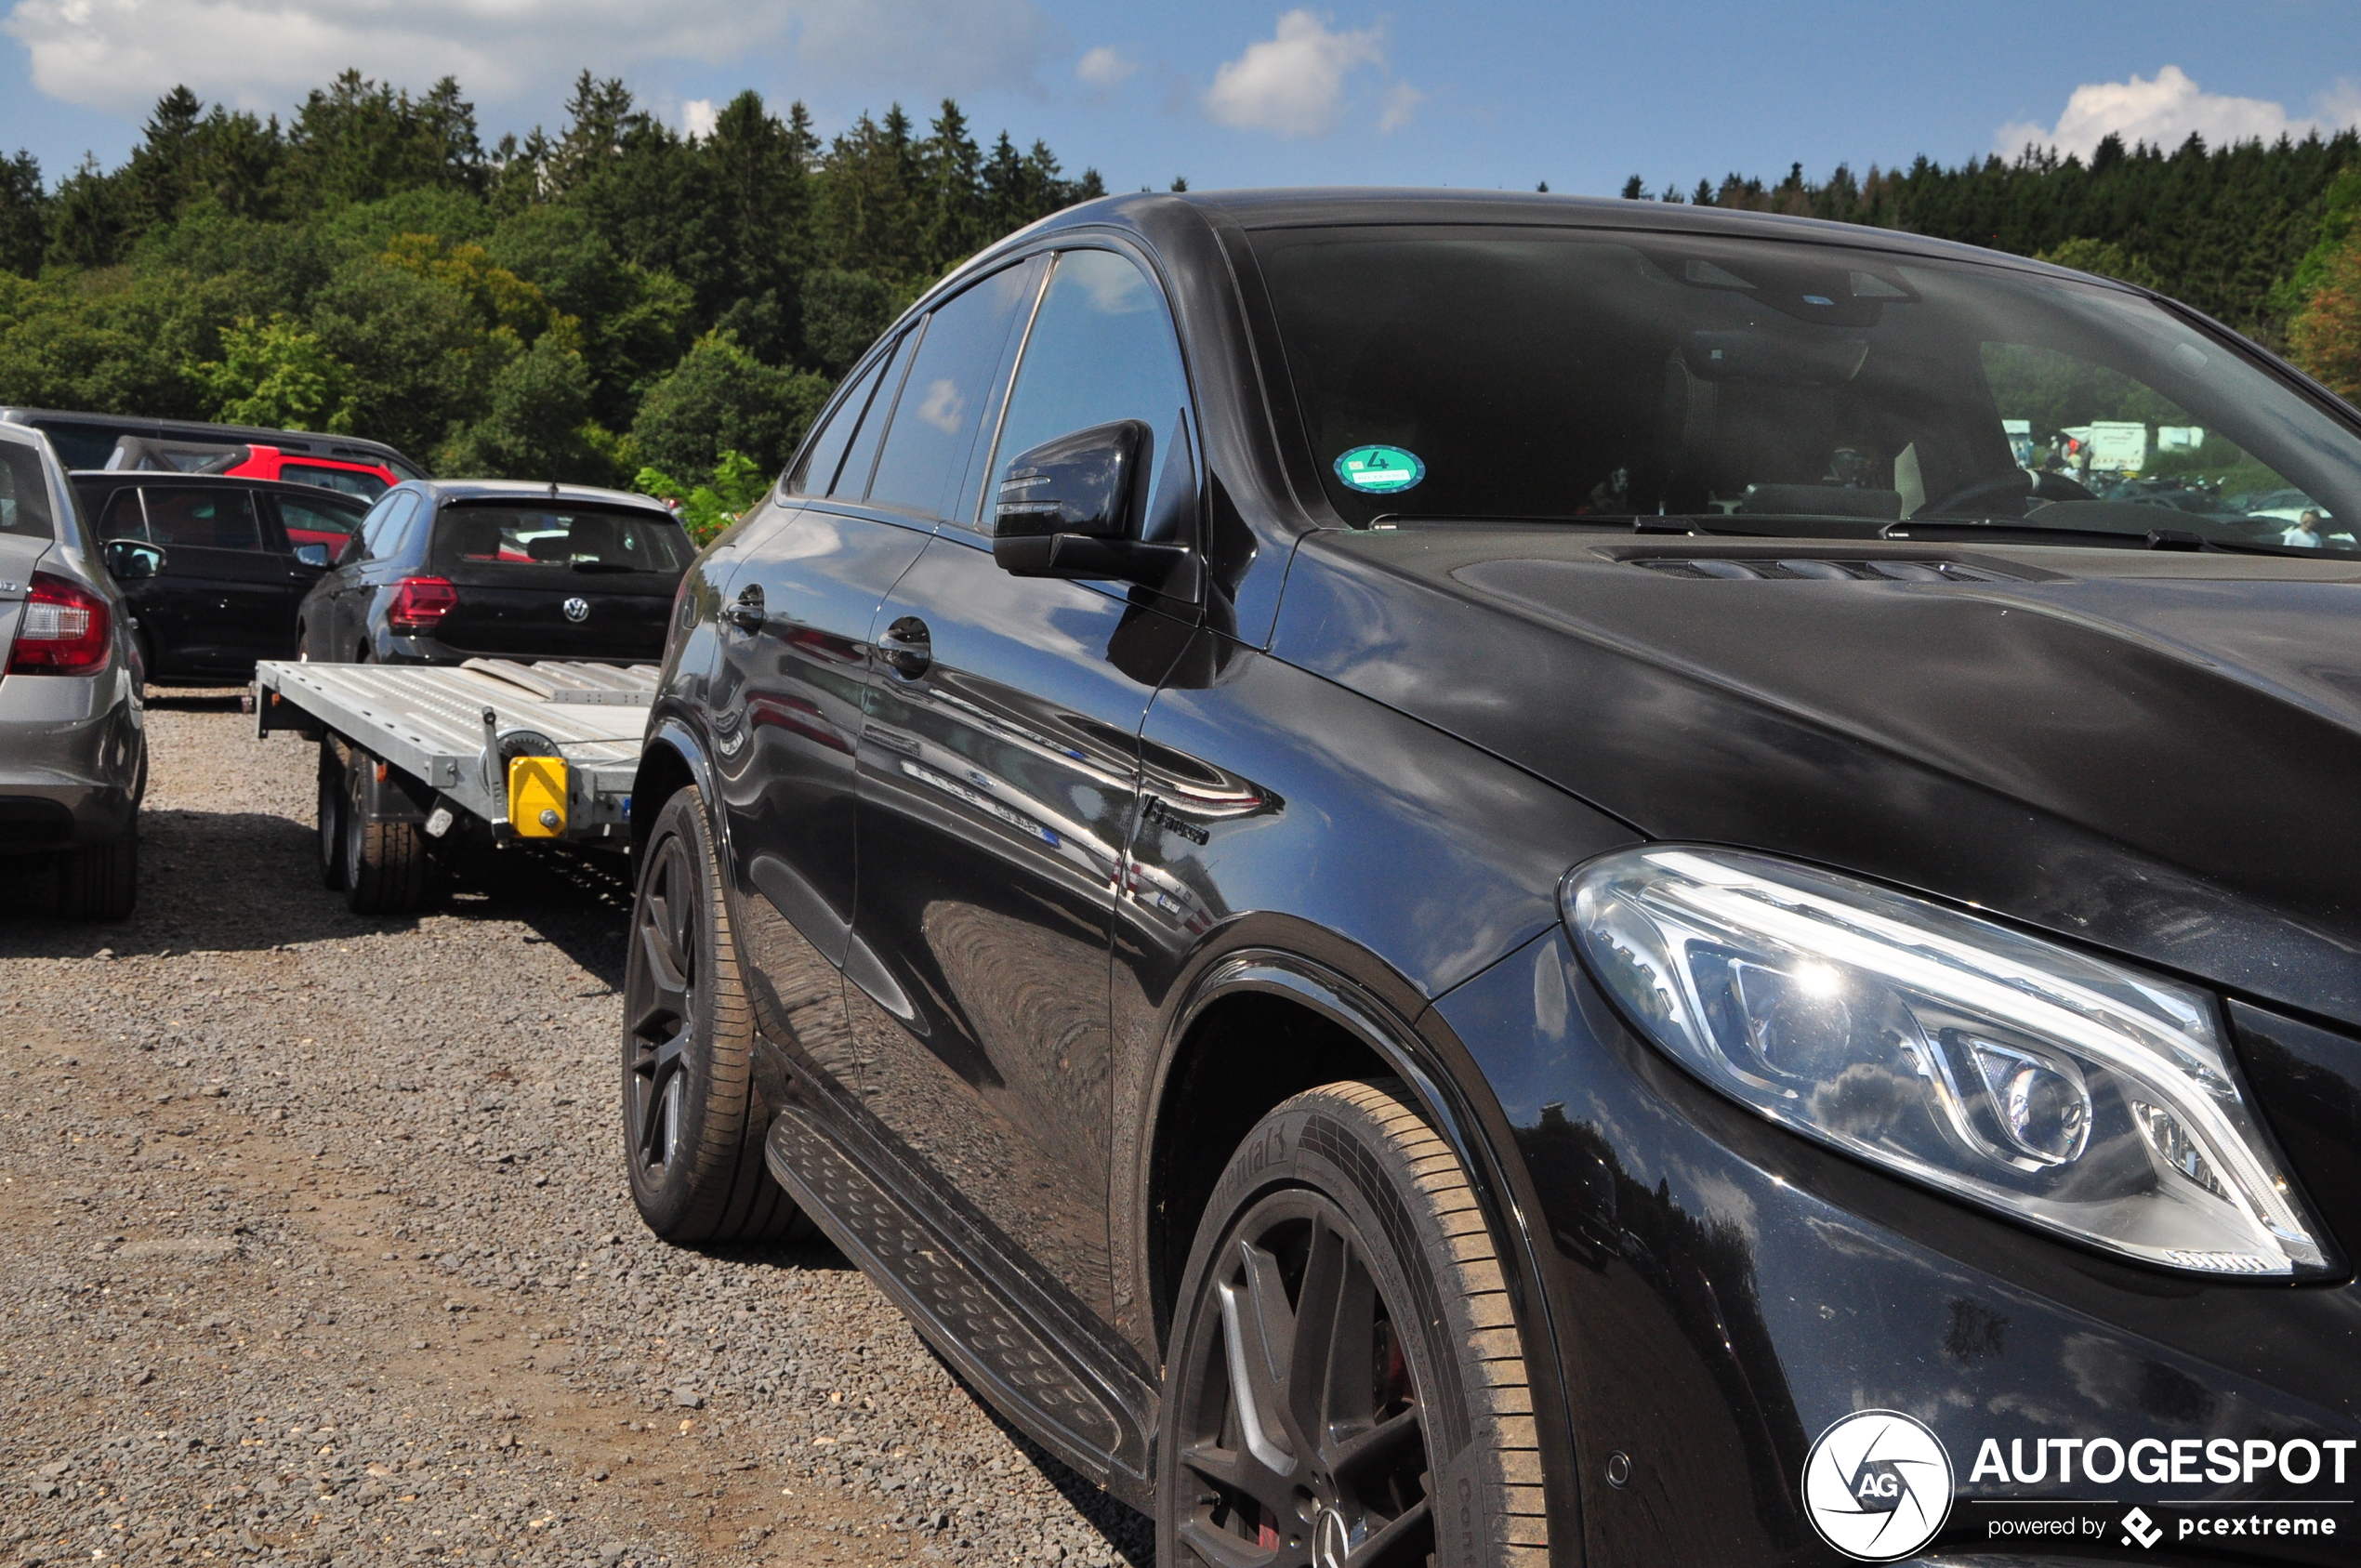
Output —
(482, 754)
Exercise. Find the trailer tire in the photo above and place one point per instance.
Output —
(385, 862)
(694, 1118)
(331, 819)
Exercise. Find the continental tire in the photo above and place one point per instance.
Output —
(100, 881)
(385, 862)
(692, 1122)
(1345, 1379)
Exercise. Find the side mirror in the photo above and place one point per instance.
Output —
(314, 555)
(128, 561)
(1072, 507)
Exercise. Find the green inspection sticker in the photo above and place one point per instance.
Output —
(1380, 470)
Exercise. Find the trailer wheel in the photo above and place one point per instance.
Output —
(385, 862)
(331, 818)
(693, 1120)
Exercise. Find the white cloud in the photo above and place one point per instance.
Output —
(1402, 101)
(1105, 67)
(699, 116)
(1294, 82)
(2163, 109)
(122, 55)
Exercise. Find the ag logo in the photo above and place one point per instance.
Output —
(578, 609)
(1877, 1486)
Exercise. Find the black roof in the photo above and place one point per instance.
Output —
(1342, 206)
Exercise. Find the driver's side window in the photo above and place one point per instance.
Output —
(1102, 349)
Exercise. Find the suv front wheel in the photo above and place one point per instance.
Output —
(1346, 1383)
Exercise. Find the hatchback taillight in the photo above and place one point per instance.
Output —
(420, 603)
(64, 630)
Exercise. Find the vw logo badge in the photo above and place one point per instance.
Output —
(1330, 1543)
(1877, 1486)
(578, 609)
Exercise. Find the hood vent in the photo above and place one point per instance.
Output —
(1879, 569)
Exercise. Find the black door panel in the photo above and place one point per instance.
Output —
(996, 787)
(785, 707)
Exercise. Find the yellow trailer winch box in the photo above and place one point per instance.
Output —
(537, 796)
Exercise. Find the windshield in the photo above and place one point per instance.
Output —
(1579, 374)
(530, 539)
(24, 493)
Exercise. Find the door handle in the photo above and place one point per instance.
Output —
(907, 648)
(746, 614)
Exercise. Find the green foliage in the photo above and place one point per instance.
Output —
(720, 398)
(843, 314)
(559, 306)
(738, 483)
(24, 215)
(275, 374)
(2105, 258)
(538, 422)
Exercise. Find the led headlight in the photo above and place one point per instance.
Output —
(2063, 1090)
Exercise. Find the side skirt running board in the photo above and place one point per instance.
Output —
(992, 1341)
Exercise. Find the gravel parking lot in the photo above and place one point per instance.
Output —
(317, 1246)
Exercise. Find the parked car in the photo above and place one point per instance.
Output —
(1457, 878)
(367, 481)
(449, 570)
(84, 440)
(74, 748)
(233, 559)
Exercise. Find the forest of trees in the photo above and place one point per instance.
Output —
(574, 305)
(2259, 237)
(619, 296)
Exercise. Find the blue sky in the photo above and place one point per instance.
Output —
(1577, 93)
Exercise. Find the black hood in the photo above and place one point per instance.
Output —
(2157, 753)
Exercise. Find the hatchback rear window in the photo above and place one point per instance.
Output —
(584, 539)
(24, 493)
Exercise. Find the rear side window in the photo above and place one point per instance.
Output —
(383, 530)
(535, 541)
(24, 493)
(209, 519)
(942, 400)
(350, 481)
(818, 469)
(852, 478)
(318, 523)
(77, 445)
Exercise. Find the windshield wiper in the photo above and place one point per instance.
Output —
(604, 566)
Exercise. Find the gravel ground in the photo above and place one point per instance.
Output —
(317, 1247)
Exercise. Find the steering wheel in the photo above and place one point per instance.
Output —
(2031, 487)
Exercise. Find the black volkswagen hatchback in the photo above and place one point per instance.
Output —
(443, 571)
(1482, 879)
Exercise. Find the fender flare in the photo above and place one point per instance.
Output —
(669, 732)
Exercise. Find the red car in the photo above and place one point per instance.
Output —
(367, 481)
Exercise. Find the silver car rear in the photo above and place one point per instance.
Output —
(73, 737)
